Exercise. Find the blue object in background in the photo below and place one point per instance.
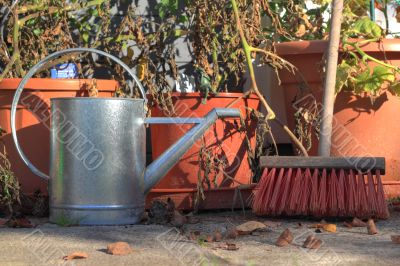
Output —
(64, 71)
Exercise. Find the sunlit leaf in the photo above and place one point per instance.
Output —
(37, 31)
(343, 73)
(372, 82)
(85, 37)
(367, 28)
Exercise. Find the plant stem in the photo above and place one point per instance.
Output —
(54, 9)
(44, 6)
(385, 11)
(247, 51)
(365, 55)
(324, 147)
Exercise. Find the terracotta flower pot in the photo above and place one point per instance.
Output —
(33, 121)
(223, 139)
(360, 127)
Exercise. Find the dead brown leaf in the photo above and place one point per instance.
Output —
(217, 236)
(329, 228)
(285, 238)
(312, 242)
(248, 227)
(192, 236)
(358, 223)
(231, 233)
(347, 224)
(231, 246)
(395, 239)
(301, 30)
(76, 255)
(209, 239)
(325, 226)
(371, 227)
(20, 223)
(119, 248)
(317, 226)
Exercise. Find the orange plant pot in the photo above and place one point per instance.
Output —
(32, 118)
(360, 127)
(223, 139)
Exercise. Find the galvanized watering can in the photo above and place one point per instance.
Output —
(98, 173)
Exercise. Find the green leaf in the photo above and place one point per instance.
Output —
(384, 73)
(85, 37)
(395, 89)
(363, 82)
(37, 31)
(183, 19)
(366, 28)
(178, 33)
(372, 82)
(94, 12)
(166, 7)
(88, 26)
(343, 74)
(31, 22)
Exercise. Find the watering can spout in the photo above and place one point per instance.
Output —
(158, 168)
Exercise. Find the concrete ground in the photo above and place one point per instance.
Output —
(164, 245)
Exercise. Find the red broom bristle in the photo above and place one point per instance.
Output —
(305, 192)
(320, 193)
(351, 194)
(294, 194)
(362, 210)
(371, 195)
(332, 203)
(322, 203)
(260, 192)
(272, 206)
(383, 211)
(314, 192)
(341, 194)
(284, 198)
(264, 192)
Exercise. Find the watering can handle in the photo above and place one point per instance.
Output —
(33, 70)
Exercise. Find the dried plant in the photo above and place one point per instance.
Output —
(9, 185)
(31, 30)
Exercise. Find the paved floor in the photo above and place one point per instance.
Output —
(162, 245)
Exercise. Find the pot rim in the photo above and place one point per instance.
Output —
(96, 99)
(321, 46)
(49, 84)
(219, 95)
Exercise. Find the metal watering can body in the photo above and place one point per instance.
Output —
(98, 173)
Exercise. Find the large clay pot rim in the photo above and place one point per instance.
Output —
(320, 46)
(219, 95)
(48, 84)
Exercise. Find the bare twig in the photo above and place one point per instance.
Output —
(247, 51)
